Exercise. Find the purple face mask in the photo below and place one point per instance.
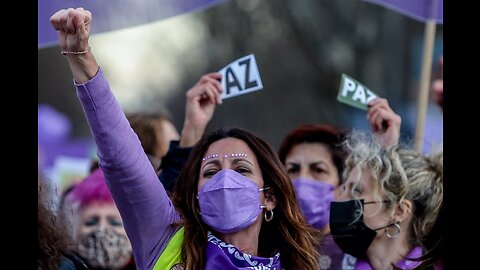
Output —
(314, 198)
(229, 202)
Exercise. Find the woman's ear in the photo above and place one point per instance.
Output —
(403, 210)
(270, 199)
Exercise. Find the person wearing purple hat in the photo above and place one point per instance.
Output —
(233, 207)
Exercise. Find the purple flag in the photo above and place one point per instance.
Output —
(54, 138)
(421, 10)
(114, 14)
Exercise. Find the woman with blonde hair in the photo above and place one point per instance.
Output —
(388, 204)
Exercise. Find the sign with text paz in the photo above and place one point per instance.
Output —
(355, 94)
(240, 77)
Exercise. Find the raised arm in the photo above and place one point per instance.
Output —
(199, 108)
(146, 210)
(384, 122)
(201, 101)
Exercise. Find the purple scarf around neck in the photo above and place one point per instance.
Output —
(404, 264)
(221, 255)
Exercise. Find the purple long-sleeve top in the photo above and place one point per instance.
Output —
(146, 210)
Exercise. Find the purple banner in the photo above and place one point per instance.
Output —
(114, 14)
(54, 137)
(421, 10)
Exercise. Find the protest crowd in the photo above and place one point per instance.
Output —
(165, 199)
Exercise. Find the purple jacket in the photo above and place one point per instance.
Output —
(146, 210)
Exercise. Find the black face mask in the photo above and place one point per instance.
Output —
(348, 228)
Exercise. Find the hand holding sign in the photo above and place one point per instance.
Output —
(385, 123)
(201, 101)
(240, 77)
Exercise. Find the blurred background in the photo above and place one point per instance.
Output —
(301, 47)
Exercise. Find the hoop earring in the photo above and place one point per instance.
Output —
(268, 219)
(397, 225)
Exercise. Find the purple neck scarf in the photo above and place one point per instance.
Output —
(404, 264)
(221, 255)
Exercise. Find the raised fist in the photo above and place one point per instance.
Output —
(73, 27)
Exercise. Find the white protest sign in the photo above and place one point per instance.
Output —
(240, 77)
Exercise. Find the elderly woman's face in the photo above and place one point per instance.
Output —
(102, 240)
(100, 215)
(245, 164)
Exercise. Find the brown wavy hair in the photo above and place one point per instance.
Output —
(53, 238)
(288, 233)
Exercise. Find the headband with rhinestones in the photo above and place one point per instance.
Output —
(225, 156)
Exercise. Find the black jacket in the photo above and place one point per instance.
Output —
(72, 262)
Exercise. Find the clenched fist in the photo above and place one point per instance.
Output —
(73, 27)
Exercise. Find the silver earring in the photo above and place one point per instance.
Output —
(268, 219)
(396, 234)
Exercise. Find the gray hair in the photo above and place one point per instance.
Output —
(401, 173)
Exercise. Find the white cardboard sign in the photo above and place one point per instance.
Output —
(240, 77)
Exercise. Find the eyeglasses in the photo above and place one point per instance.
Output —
(376, 202)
